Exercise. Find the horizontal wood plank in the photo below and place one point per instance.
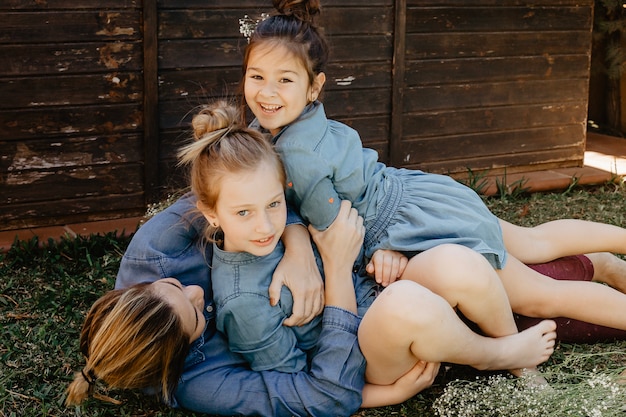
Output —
(489, 119)
(474, 18)
(468, 45)
(70, 58)
(69, 26)
(114, 87)
(474, 70)
(69, 153)
(460, 96)
(53, 185)
(64, 121)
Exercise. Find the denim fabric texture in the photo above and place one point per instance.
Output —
(254, 328)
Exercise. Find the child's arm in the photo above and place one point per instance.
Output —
(298, 271)
(416, 380)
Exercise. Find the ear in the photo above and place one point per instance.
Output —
(318, 84)
(208, 214)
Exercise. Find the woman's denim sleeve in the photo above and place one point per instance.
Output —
(332, 387)
(167, 245)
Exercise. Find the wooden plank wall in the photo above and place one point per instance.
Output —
(95, 101)
(490, 84)
(71, 111)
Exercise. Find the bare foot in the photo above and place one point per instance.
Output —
(609, 269)
(526, 349)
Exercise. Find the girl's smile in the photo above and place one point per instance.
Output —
(277, 87)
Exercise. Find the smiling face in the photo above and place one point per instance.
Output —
(186, 301)
(277, 86)
(250, 210)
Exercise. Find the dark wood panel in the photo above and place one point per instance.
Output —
(498, 3)
(84, 209)
(19, 156)
(259, 4)
(491, 144)
(66, 4)
(474, 18)
(224, 23)
(36, 123)
(70, 58)
(55, 185)
(419, 99)
(228, 52)
(444, 71)
(467, 45)
(118, 87)
(507, 163)
(486, 119)
(69, 26)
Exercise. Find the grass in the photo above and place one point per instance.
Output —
(46, 290)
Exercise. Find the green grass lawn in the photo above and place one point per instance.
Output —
(46, 291)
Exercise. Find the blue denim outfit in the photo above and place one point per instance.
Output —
(404, 210)
(217, 381)
(254, 328)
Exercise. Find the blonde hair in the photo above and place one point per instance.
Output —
(131, 338)
(223, 145)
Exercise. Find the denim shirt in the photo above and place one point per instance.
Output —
(254, 327)
(217, 381)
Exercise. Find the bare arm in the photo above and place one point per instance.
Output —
(299, 272)
(339, 245)
(416, 380)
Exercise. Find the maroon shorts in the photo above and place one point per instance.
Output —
(572, 268)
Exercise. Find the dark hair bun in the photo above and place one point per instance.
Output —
(305, 10)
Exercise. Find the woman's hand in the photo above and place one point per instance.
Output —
(416, 380)
(339, 245)
(387, 266)
(342, 241)
(298, 271)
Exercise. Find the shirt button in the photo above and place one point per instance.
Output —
(209, 309)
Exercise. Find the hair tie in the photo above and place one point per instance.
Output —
(91, 379)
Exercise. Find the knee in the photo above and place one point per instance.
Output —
(411, 305)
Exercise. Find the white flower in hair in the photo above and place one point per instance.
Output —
(247, 26)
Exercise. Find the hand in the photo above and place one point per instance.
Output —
(420, 377)
(339, 245)
(298, 271)
(342, 241)
(417, 379)
(387, 266)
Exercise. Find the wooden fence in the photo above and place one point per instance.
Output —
(97, 96)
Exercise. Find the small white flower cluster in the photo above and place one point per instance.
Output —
(598, 395)
(247, 26)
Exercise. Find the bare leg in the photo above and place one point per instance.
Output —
(408, 322)
(468, 283)
(558, 238)
(609, 269)
(535, 295)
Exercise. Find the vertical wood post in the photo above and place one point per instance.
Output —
(397, 83)
(150, 101)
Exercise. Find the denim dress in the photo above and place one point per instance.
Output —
(404, 210)
(218, 381)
